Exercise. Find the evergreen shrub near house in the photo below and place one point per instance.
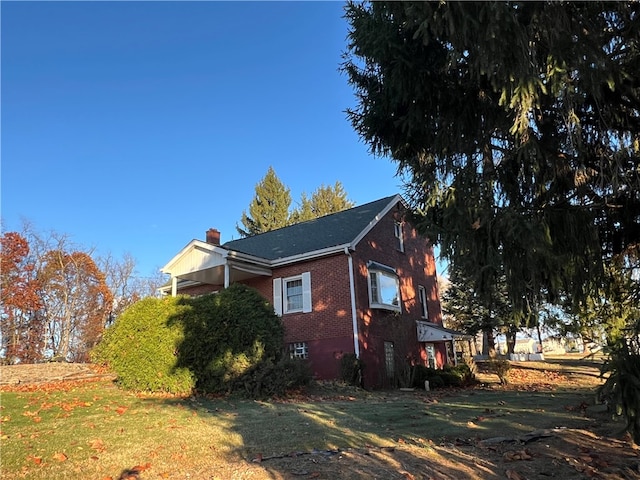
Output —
(228, 337)
(450, 376)
(141, 347)
(457, 375)
(220, 343)
(274, 379)
(351, 369)
(422, 374)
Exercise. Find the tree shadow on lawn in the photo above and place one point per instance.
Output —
(391, 435)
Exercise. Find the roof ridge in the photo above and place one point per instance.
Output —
(314, 219)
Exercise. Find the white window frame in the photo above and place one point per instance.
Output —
(285, 294)
(398, 231)
(299, 350)
(375, 300)
(422, 297)
(280, 303)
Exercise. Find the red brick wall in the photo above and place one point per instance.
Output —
(415, 266)
(328, 328)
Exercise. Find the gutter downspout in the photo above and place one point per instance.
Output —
(354, 314)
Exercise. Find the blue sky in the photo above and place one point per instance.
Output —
(133, 127)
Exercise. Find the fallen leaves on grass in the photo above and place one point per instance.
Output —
(60, 457)
(34, 459)
(97, 445)
(515, 456)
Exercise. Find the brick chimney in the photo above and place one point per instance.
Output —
(213, 236)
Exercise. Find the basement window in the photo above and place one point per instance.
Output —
(298, 350)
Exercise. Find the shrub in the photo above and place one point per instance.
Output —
(436, 381)
(273, 379)
(422, 374)
(227, 336)
(351, 369)
(451, 379)
(141, 347)
(500, 367)
(458, 376)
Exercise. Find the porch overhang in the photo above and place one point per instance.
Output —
(204, 263)
(431, 332)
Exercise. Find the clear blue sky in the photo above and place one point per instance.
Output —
(133, 127)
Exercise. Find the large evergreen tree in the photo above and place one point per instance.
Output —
(269, 209)
(518, 127)
(324, 201)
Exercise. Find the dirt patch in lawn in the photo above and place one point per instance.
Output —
(567, 453)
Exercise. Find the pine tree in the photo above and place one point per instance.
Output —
(269, 209)
(324, 201)
(517, 126)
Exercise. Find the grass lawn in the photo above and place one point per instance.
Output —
(93, 430)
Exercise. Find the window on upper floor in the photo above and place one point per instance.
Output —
(292, 294)
(384, 287)
(422, 297)
(398, 230)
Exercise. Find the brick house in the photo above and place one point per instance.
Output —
(361, 281)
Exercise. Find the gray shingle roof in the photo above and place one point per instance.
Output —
(324, 232)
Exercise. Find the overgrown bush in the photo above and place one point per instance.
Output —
(351, 369)
(228, 342)
(273, 379)
(226, 335)
(141, 347)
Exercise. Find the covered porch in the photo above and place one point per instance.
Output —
(431, 333)
(202, 263)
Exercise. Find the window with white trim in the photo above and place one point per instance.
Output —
(399, 236)
(298, 350)
(292, 294)
(384, 288)
(422, 296)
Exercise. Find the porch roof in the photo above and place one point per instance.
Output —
(431, 332)
(202, 262)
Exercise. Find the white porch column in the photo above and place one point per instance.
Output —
(174, 286)
(226, 275)
(455, 355)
